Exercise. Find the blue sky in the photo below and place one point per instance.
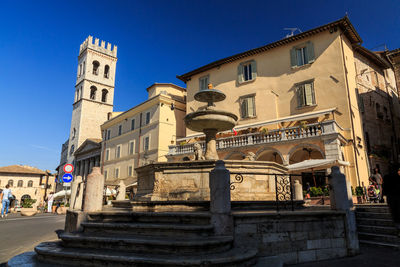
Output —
(157, 40)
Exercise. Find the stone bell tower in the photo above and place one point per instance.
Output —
(94, 92)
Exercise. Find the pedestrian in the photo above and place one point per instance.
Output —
(5, 200)
(308, 190)
(50, 200)
(391, 188)
(377, 180)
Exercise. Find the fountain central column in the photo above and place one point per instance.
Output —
(211, 145)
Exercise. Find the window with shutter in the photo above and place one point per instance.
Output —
(118, 152)
(107, 154)
(305, 94)
(247, 71)
(130, 171)
(302, 55)
(247, 107)
(147, 118)
(133, 124)
(131, 147)
(146, 144)
(203, 82)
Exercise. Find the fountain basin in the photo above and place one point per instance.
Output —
(210, 119)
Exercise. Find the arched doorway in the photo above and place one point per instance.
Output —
(270, 155)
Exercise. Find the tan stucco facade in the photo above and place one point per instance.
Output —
(157, 123)
(333, 75)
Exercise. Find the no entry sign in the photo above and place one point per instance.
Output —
(68, 168)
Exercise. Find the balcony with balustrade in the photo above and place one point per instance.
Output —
(325, 129)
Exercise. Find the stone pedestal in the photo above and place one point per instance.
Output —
(341, 199)
(298, 190)
(220, 200)
(211, 148)
(94, 191)
(76, 194)
(121, 190)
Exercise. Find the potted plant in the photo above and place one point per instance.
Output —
(27, 207)
(359, 193)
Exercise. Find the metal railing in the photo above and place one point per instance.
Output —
(271, 136)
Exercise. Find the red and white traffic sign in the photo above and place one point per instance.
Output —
(68, 168)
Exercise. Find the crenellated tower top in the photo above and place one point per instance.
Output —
(99, 47)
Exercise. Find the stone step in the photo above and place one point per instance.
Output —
(373, 209)
(152, 217)
(149, 229)
(54, 252)
(385, 230)
(390, 239)
(149, 244)
(377, 222)
(373, 215)
(379, 244)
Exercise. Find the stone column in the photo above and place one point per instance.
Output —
(86, 170)
(76, 194)
(97, 161)
(220, 199)
(211, 145)
(121, 190)
(94, 191)
(91, 164)
(341, 199)
(81, 168)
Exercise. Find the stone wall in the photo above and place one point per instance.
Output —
(295, 237)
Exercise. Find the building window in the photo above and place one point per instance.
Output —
(30, 183)
(147, 118)
(130, 171)
(20, 183)
(96, 66)
(105, 174)
(106, 71)
(131, 147)
(11, 183)
(73, 134)
(119, 129)
(107, 154)
(71, 152)
(146, 143)
(203, 82)
(118, 152)
(132, 125)
(305, 94)
(117, 173)
(108, 136)
(247, 71)
(247, 107)
(301, 55)
(104, 94)
(93, 90)
(84, 67)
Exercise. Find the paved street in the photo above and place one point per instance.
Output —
(19, 234)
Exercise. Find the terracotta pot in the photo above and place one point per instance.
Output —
(28, 211)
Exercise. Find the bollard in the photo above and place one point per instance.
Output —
(298, 190)
(342, 200)
(121, 190)
(94, 191)
(220, 199)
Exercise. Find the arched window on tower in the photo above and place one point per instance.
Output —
(96, 66)
(73, 134)
(20, 183)
(30, 183)
(106, 71)
(104, 93)
(71, 152)
(80, 69)
(93, 90)
(84, 67)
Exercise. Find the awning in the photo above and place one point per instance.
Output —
(132, 185)
(62, 194)
(316, 164)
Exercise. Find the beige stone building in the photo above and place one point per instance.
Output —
(27, 182)
(296, 100)
(142, 134)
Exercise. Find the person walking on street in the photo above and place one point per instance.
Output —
(5, 201)
(50, 200)
(377, 179)
(391, 188)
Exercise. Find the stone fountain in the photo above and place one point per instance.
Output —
(210, 121)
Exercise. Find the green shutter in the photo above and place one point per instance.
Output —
(310, 52)
(253, 69)
(293, 60)
(309, 94)
(243, 108)
(250, 106)
(240, 73)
